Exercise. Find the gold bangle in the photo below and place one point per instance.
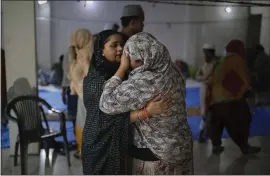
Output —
(144, 116)
(145, 111)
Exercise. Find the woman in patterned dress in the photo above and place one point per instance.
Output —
(162, 145)
(105, 137)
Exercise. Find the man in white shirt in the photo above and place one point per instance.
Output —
(204, 73)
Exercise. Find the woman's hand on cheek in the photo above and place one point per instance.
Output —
(125, 62)
(124, 66)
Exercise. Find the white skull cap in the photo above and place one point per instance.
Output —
(132, 10)
(209, 46)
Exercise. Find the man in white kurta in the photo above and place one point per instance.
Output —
(203, 75)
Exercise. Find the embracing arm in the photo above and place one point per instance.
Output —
(133, 94)
(110, 86)
(118, 97)
(135, 116)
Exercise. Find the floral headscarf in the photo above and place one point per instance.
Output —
(147, 48)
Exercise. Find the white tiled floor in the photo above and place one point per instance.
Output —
(229, 162)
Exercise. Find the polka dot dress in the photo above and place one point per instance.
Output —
(105, 137)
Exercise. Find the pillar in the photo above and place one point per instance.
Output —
(18, 25)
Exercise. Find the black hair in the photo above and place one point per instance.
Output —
(61, 58)
(115, 27)
(211, 50)
(126, 20)
(259, 48)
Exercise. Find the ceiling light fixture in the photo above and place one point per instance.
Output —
(42, 2)
(89, 2)
(228, 9)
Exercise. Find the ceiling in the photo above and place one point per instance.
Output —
(265, 3)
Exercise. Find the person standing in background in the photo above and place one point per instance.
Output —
(67, 98)
(261, 70)
(57, 70)
(202, 76)
(229, 109)
(132, 20)
(81, 54)
(65, 81)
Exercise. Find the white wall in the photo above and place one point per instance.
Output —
(43, 33)
(265, 28)
(190, 26)
(19, 44)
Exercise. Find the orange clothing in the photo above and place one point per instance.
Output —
(230, 80)
(79, 134)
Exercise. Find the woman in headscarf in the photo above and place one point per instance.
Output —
(162, 145)
(105, 137)
(229, 85)
(80, 51)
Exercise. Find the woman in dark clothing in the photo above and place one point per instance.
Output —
(105, 137)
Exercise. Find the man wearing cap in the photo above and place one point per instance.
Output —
(132, 20)
(203, 75)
